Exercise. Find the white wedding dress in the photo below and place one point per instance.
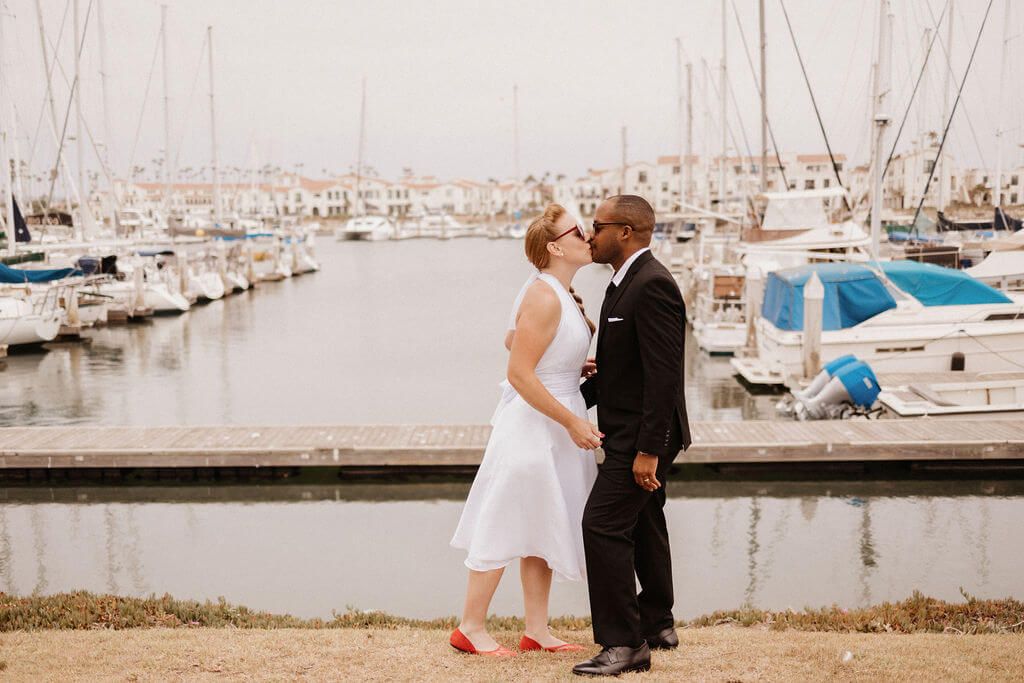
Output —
(528, 495)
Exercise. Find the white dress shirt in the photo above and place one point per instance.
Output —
(620, 274)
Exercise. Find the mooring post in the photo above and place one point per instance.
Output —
(814, 297)
(140, 287)
(754, 293)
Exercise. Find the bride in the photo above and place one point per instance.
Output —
(527, 499)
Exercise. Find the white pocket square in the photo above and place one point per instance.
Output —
(614, 320)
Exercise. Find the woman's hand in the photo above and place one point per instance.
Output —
(584, 434)
(589, 368)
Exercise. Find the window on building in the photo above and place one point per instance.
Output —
(984, 178)
(1013, 198)
(839, 166)
(642, 177)
(826, 182)
(1013, 180)
(792, 185)
(675, 170)
(737, 169)
(809, 184)
(664, 187)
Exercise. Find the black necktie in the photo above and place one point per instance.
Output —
(608, 290)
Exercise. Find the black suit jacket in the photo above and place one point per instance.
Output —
(638, 388)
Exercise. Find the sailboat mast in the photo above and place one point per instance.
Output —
(883, 73)
(213, 135)
(943, 167)
(83, 191)
(108, 139)
(725, 124)
(515, 140)
(764, 101)
(689, 134)
(679, 117)
(997, 196)
(361, 205)
(7, 160)
(167, 116)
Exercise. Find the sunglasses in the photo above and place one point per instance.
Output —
(598, 226)
(577, 229)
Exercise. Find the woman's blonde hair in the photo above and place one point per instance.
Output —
(542, 231)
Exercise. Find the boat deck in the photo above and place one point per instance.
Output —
(440, 446)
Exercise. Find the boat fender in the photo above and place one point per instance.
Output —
(956, 361)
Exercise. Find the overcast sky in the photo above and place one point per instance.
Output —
(440, 76)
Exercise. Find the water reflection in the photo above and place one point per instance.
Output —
(311, 549)
(385, 333)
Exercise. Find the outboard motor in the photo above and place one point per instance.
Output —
(827, 373)
(854, 382)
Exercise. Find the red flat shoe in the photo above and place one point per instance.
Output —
(527, 644)
(461, 643)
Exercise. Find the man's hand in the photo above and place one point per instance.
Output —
(589, 368)
(645, 466)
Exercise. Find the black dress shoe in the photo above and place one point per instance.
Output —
(666, 640)
(612, 661)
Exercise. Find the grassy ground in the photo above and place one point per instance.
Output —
(84, 636)
(725, 652)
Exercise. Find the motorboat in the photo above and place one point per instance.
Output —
(978, 396)
(896, 316)
(372, 228)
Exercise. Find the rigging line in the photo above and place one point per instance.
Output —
(750, 154)
(952, 113)
(817, 113)
(88, 132)
(913, 93)
(732, 135)
(142, 110)
(46, 95)
(750, 63)
(853, 54)
(949, 67)
(990, 349)
(67, 112)
(188, 105)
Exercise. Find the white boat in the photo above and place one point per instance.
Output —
(236, 281)
(794, 231)
(896, 316)
(21, 323)
(996, 395)
(204, 285)
(371, 228)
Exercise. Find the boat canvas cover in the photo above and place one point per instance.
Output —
(10, 275)
(934, 285)
(853, 293)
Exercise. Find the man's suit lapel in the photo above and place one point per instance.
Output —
(609, 302)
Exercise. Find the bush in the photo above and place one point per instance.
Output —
(83, 610)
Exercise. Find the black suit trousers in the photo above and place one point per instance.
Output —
(626, 538)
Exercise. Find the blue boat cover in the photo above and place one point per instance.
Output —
(17, 275)
(853, 293)
(935, 285)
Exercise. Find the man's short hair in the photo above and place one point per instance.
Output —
(634, 210)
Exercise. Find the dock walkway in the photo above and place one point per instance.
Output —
(425, 446)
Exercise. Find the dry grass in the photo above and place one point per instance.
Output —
(716, 653)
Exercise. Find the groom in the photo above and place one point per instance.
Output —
(638, 390)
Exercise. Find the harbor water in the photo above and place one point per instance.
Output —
(411, 332)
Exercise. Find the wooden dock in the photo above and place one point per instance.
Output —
(426, 446)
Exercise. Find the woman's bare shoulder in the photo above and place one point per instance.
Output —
(540, 300)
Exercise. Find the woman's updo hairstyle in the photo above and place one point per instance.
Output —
(540, 233)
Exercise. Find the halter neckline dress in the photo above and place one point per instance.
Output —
(528, 496)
